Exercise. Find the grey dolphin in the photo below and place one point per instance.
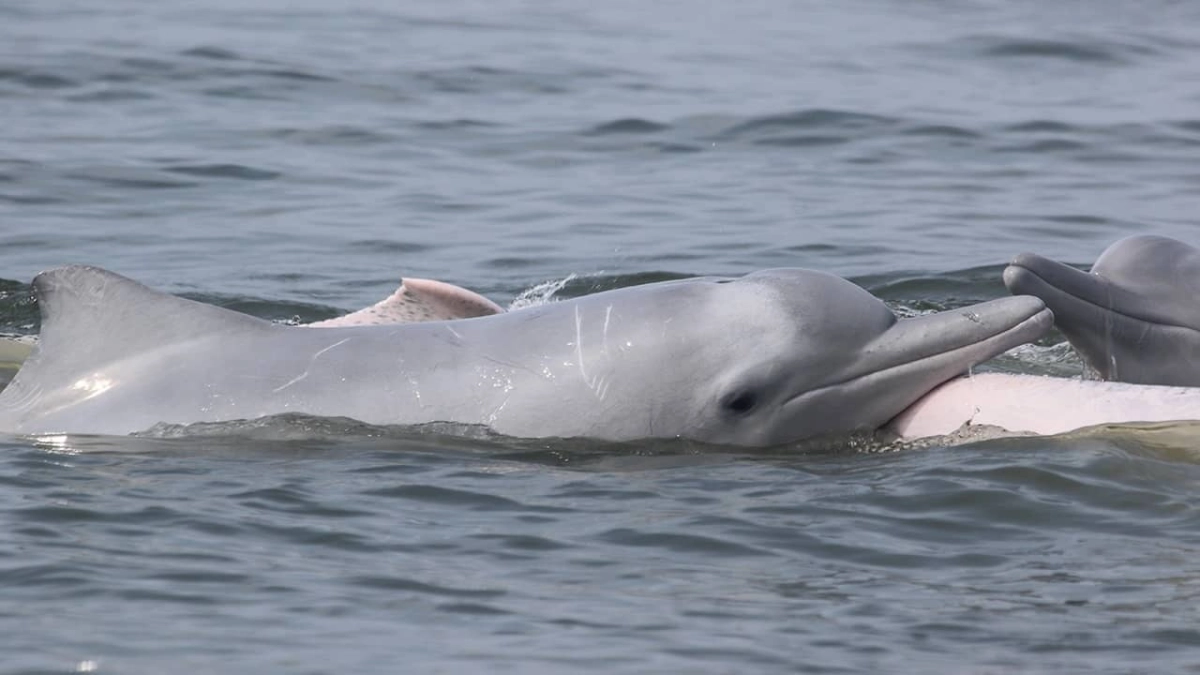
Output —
(769, 358)
(1135, 317)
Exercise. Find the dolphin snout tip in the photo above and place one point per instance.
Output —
(1014, 275)
(1025, 270)
(1025, 260)
(1027, 314)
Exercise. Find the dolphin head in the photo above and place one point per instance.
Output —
(1135, 317)
(789, 354)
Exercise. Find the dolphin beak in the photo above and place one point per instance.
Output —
(1095, 314)
(949, 343)
(1076, 297)
(915, 355)
(1083, 306)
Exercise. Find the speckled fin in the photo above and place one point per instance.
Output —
(419, 300)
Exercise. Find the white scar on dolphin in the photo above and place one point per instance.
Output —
(772, 357)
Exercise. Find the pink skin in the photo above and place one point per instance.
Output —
(418, 300)
(1041, 405)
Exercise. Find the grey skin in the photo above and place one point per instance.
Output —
(1135, 317)
(769, 358)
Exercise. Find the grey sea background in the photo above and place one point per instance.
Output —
(295, 159)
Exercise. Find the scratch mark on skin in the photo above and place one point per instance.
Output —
(312, 360)
(596, 384)
(336, 344)
(607, 316)
(454, 332)
(507, 364)
(579, 344)
(290, 382)
(491, 419)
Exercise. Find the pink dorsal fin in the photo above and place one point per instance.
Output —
(419, 300)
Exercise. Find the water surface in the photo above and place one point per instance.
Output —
(294, 159)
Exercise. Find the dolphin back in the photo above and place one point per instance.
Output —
(91, 321)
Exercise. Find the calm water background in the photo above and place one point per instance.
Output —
(296, 158)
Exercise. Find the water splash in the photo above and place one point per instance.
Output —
(541, 293)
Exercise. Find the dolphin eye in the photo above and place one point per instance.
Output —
(740, 402)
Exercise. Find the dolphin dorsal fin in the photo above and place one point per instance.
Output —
(419, 300)
(91, 317)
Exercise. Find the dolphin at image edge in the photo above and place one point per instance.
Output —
(772, 357)
(1135, 317)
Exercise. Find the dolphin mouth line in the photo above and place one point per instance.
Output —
(1093, 303)
(1035, 325)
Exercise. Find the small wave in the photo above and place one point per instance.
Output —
(112, 95)
(285, 427)
(802, 141)
(456, 124)
(238, 171)
(629, 125)
(390, 246)
(487, 79)
(681, 543)
(36, 79)
(213, 53)
(1080, 51)
(1047, 146)
(451, 497)
(393, 584)
(1041, 126)
(814, 119)
(130, 177)
(299, 426)
(334, 134)
(941, 131)
(804, 129)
